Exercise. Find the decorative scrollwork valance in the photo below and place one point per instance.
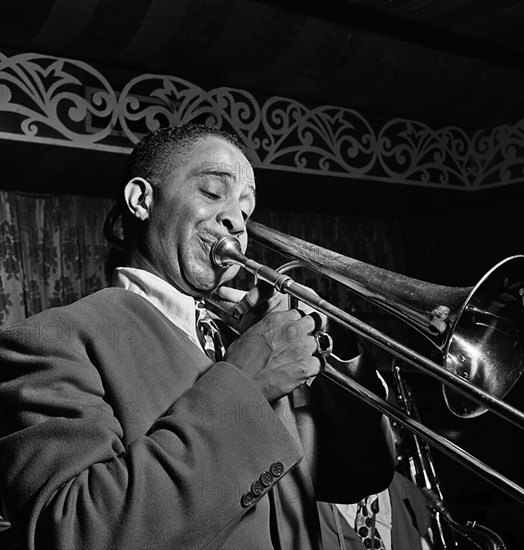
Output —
(70, 103)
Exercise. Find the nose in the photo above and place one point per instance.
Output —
(232, 218)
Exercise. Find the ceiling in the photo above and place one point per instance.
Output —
(442, 62)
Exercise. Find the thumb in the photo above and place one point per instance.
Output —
(231, 294)
(259, 294)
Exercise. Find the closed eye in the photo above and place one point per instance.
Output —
(210, 195)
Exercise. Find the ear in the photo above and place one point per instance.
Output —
(138, 197)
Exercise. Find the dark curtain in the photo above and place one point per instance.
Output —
(52, 251)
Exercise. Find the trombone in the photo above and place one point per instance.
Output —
(478, 331)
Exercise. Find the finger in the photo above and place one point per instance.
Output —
(231, 294)
(315, 366)
(259, 294)
(307, 324)
(318, 320)
(295, 327)
(310, 345)
(277, 302)
(289, 315)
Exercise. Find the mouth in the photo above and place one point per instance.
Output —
(211, 236)
(208, 240)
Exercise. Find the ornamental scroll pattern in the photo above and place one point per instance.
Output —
(71, 103)
(50, 99)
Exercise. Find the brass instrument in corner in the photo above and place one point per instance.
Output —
(420, 467)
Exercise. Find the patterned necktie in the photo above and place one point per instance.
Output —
(365, 523)
(209, 333)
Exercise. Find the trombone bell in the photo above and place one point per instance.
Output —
(485, 344)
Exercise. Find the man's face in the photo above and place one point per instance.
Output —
(211, 194)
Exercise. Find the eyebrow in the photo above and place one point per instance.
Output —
(216, 172)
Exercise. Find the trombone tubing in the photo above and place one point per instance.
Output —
(226, 252)
(229, 255)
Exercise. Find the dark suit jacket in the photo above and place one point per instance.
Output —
(117, 433)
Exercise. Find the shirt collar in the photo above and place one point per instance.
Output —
(177, 307)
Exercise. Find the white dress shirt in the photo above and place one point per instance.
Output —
(177, 307)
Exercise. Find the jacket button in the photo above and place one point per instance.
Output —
(266, 479)
(257, 488)
(247, 499)
(277, 469)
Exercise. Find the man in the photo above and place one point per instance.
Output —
(119, 432)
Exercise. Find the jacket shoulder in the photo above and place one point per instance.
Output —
(88, 317)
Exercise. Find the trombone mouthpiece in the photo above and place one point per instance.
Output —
(223, 251)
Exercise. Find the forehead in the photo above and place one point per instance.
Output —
(214, 154)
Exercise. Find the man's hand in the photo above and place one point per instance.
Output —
(277, 352)
(254, 305)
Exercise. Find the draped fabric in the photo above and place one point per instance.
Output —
(52, 250)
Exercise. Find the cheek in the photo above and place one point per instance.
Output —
(198, 212)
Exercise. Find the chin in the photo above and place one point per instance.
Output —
(205, 284)
(203, 278)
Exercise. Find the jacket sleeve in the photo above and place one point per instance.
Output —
(355, 454)
(70, 481)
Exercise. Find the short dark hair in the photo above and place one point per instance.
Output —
(155, 156)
